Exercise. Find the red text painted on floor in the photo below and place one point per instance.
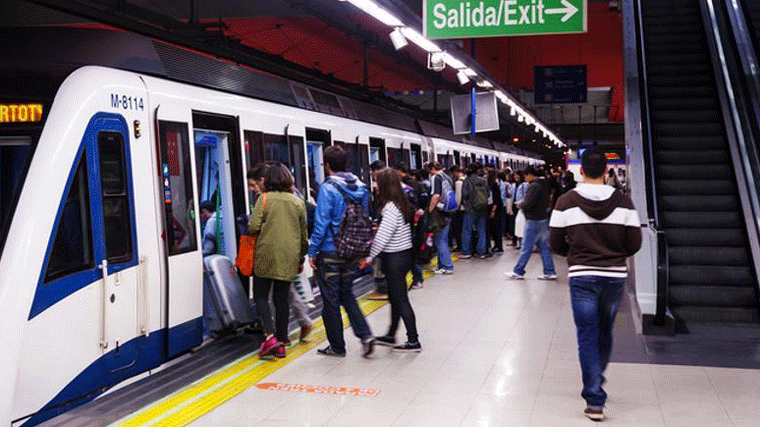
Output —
(356, 391)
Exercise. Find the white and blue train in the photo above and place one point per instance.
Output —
(102, 170)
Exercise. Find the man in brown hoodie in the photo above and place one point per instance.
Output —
(597, 228)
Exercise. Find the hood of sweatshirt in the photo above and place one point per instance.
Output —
(350, 184)
(597, 200)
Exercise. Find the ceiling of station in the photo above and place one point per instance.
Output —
(330, 37)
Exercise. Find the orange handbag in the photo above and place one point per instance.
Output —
(247, 250)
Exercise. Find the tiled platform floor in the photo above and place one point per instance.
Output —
(495, 353)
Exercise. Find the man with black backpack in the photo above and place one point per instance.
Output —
(442, 205)
(475, 195)
(342, 236)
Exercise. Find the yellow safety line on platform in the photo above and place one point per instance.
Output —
(202, 396)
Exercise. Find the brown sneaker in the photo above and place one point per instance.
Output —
(305, 331)
(594, 414)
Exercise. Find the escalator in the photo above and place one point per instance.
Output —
(711, 273)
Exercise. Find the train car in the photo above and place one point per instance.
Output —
(102, 175)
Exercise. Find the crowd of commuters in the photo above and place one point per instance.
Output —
(355, 226)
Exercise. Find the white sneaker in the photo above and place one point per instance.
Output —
(514, 276)
(465, 256)
(547, 277)
(443, 271)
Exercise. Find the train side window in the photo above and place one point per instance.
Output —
(179, 199)
(72, 250)
(113, 187)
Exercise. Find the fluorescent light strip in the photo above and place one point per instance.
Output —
(377, 12)
(420, 40)
(453, 62)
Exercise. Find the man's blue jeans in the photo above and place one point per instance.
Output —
(535, 232)
(442, 246)
(477, 220)
(335, 277)
(595, 301)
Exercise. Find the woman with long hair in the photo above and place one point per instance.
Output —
(393, 244)
(279, 221)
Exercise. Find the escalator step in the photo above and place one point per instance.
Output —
(663, 30)
(682, 92)
(695, 172)
(668, 11)
(689, 157)
(708, 255)
(651, 20)
(702, 220)
(671, 48)
(684, 38)
(686, 116)
(680, 104)
(701, 188)
(698, 203)
(690, 142)
(668, 4)
(677, 68)
(713, 296)
(716, 314)
(719, 237)
(711, 275)
(691, 129)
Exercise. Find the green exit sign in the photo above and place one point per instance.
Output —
(461, 19)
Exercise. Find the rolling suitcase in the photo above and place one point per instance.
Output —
(226, 307)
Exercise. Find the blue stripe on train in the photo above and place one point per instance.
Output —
(100, 376)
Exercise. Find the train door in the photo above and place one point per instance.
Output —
(215, 192)
(316, 143)
(114, 237)
(416, 158)
(183, 269)
(377, 150)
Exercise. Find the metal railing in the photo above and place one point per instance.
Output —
(653, 213)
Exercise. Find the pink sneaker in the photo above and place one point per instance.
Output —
(279, 352)
(268, 346)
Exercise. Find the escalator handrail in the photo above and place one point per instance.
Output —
(744, 92)
(663, 266)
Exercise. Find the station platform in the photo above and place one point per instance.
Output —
(496, 352)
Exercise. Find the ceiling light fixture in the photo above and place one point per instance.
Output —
(462, 77)
(398, 39)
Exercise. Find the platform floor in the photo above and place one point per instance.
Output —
(495, 353)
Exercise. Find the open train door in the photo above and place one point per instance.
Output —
(179, 219)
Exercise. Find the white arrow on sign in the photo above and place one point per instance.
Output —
(569, 10)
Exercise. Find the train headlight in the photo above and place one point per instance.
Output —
(138, 130)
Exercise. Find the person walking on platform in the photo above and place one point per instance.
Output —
(535, 207)
(279, 221)
(442, 205)
(393, 243)
(597, 227)
(335, 275)
(475, 197)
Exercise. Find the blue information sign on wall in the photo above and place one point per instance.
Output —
(565, 84)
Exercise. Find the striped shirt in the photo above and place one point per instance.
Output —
(394, 234)
(597, 228)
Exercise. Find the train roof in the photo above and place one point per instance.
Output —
(57, 51)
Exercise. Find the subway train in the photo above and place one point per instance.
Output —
(102, 171)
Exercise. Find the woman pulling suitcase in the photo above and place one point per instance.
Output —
(279, 221)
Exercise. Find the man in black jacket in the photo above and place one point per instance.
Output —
(535, 206)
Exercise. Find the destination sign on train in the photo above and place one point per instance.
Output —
(20, 113)
(447, 19)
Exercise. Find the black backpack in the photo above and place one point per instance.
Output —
(354, 237)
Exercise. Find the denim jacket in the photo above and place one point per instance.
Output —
(330, 209)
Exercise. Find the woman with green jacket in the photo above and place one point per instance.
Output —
(279, 221)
